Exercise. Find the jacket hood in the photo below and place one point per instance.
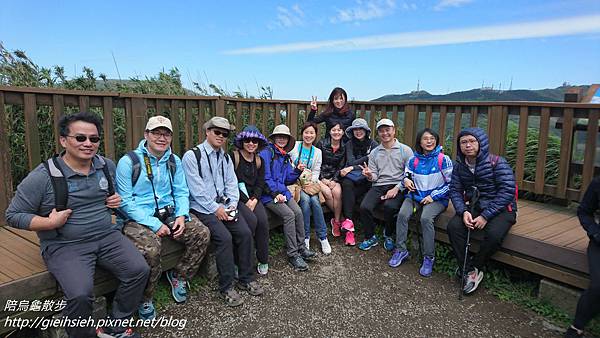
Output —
(482, 138)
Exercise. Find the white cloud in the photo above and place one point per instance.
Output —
(365, 10)
(514, 31)
(443, 4)
(289, 17)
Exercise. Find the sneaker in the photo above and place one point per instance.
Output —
(308, 255)
(350, 238)
(398, 258)
(178, 289)
(348, 225)
(231, 297)
(427, 267)
(307, 243)
(325, 247)
(146, 311)
(106, 332)
(572, 333)
(473, 279)
(335, 228)
(263, 268)
(298, 263)
(253, 288)
(368, 243)
(388, 243)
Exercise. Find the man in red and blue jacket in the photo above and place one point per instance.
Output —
(490, 177)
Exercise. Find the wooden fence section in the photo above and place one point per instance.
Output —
(188, 114)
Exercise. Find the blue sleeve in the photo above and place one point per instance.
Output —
(181, 191)
(125, 189)
(457, 190)
(196, 185)
(505, 189)
(265, 155)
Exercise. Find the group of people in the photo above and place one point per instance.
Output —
(212, 194)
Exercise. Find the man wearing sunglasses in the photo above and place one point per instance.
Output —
(155, 196)
(214, 197)
(74, 239)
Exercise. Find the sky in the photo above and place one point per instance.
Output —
(303, 48)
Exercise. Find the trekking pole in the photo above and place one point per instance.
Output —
(474, 200)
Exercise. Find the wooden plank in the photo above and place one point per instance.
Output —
(428, 116)
(239, 125)
(203, 107)
(372, 117)
(58, 110)
(567, 236)
(542, 145)
(363, 112)
(456, 131)
(188, 124)
(265, 117)
(293, 116)
(109, 132)
(589, 157)
(522, 144)
(174, 114)
(474, 116)
(220, 107)
(277, 114)
(394, 118)
(32, 135)
(443, 115)
(253, 113)
(566, 147)
(139, 119)
(84, 103)
(6, 184)
(411, 118)
(129, 125)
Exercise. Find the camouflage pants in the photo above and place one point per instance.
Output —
(195, 238)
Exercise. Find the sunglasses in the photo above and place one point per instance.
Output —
(218, 132)
(251, 140)
(82, 138)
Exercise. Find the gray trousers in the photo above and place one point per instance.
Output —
(293, 225)
(430, 212)
(73, 266)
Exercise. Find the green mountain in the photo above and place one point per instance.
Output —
(487, 94)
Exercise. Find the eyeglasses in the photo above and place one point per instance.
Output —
(251, 140)
(218, 132)
(82, 138)
(465, 142)
(158, 134)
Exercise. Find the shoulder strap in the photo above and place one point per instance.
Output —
(198, 155)
(59, 183)
(415, 163)
(236, 159)
(258, 161)
(111, 185)
(493, 159)
(172, 165)
(136, 167)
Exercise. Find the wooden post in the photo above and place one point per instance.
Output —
(58, 110)
(109, 133)
(6, 186)
(566, 142)
(220, 107)
(139, 119)
(411, 118)
(589, 158)
(32, 135)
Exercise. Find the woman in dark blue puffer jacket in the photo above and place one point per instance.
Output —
(495, 212)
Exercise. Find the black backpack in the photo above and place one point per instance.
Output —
(137, 166)
(198, 155)
(59, 182)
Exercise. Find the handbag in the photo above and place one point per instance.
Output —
(295, 190)
(356, 175)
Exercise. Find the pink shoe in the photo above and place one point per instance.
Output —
(350, 238)
(335, 228)
(348, 225)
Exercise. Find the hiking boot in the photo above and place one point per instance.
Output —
(348, 225)
(350, 238)
(146, 311)
(368, 243)
(573, 333)
(335, 228)
(308, 255)
(398, 258)
(231, 297)
(473, 279)
(298, 263)
(107, 332)
(307, 243)
(178, 290)
(262, 268)
(253, 288)
(388, 243)
(325, 247)
(427, 267)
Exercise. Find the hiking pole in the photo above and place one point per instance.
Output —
(474, 200)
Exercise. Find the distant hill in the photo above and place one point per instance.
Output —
(487, 94)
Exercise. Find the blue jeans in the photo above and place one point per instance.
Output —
(311, 203)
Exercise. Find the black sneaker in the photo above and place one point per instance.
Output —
(572, 333)
(252, 288)
(308, 255)
(111, 333)
(298, 263)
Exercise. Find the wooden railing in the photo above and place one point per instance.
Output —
(129, 113)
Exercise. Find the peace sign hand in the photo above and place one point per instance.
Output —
(313, 103)
(365, 170)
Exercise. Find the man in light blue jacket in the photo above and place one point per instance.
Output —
(155, 196)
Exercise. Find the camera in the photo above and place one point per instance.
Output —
(167, 216)
(233, 213)
(223, 200)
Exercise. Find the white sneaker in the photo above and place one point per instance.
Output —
(325, 247)
(307, 243)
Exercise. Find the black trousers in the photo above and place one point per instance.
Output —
(494, 233)
(589, 303)
(390, 209)
(226, 236)
(351, 192)
(259, 224)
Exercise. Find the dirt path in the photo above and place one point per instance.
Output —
(353, 293)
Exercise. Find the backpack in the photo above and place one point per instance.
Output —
(137, 166)
(198, 155)
(59, 182)
(236, 160)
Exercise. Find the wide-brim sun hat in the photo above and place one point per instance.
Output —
(282, 129)
(358, 124)
(250, 132)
